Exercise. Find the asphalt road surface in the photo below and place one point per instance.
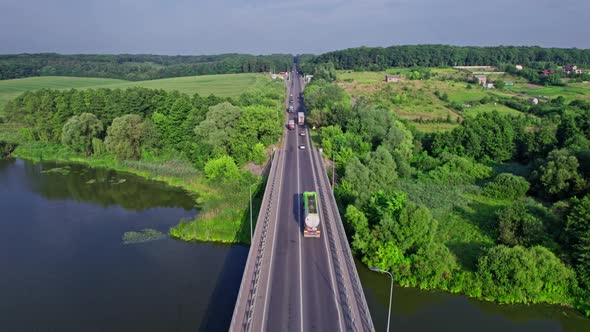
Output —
(302, 283)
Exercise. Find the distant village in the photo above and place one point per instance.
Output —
(481, 77)
(285, 76)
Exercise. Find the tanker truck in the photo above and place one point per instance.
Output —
(311, 215)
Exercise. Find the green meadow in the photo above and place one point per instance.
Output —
(570, 92)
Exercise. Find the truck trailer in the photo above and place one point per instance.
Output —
(300, 118)
(311, 215)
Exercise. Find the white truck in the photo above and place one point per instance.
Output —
(300, 118)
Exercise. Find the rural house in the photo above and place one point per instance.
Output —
(571, 68)
(392, 78)
(481, 79)
(282, 75)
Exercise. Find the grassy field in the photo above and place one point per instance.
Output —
(422, 103)
(9, 89)
(474, 111)
(435, 127)
(575, 91)
(229, 85)
(470, 229)
(361, 77)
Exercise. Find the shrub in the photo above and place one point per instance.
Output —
(222, 169)
(507, 186)
(524, 275)
(516, 226)
(98, 146)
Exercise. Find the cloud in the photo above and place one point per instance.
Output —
(271, 26)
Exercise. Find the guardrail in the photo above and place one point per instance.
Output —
(250, 279)
(346, 273)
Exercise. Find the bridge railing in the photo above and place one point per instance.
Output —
(342, 258)
(249, 287)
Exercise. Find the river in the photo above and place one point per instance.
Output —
(64, 265)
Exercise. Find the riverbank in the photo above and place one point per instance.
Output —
(223, 208)
(6, 149)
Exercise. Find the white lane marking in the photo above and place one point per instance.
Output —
(281, 158)
(299, 237)
(325, 234)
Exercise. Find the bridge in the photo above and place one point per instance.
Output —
(292, 283)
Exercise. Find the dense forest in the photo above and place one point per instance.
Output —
(497, 208)
(379, 58)
(138, 67)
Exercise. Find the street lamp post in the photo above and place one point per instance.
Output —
(333, 169)
(251, 233)
(376, 269)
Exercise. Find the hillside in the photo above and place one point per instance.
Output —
(444, 98)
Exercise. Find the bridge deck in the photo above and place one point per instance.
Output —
(292, 283)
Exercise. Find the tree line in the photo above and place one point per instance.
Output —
(398, 187)
(138, 67)
(216, 134)
(381, 58)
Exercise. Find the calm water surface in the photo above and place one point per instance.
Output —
(416, 310)
(63, 266)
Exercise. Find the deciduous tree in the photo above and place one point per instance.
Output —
(79, 131)
(125, 137)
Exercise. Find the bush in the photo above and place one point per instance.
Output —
(516, 226)
(222, 169)
(456, 170)
(258, 155)
(98, 147)
(578, 238)
(524, 275)
(507, 186)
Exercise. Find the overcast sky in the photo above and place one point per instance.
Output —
(281, 26)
